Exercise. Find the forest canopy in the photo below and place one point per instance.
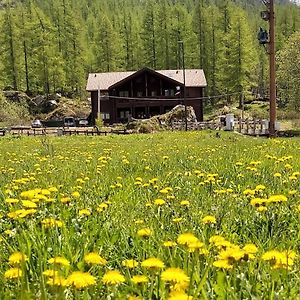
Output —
(49, 46)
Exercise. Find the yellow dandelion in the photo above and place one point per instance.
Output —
(84, 212)
(57, 280)
(17, 258)
(174, 275)
(139, 279)
(75, 194)
(130, 263)
(193, 246)
(145, 232)
(250, 250)
(261, 209)
(50, 273)
(80, 280)
(233, 253)
(152, 263)
(65, 200)
(59, 260)
(159, 202)
(94, 258)
(185, 203)
(29, 204)
(13, 273)
(169, 244)
(186, 239)
(209, 220)
(139, 222)
(11, 200)
(179, 295)
(177, 220)
(51, 222)
(277, 199)
(130, 297)
(113, 277)
(222, 264)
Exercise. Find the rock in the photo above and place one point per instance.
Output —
(16, 96)
(163, 121)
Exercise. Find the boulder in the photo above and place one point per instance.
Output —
(162, 122)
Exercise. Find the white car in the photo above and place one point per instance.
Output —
(36, 124)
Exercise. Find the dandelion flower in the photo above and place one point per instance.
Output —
(84, 212)
(94, 258)
(130, 297)
(145, 232)
(57, 281)
(152, 263)
(186, 239)
(113, 277)
(59, 260)
(75, 194)
(81, 280)
(209, 220)
(174, 275)
(13, 273)
(169, 244)
(159, 202)
(51, 222)
(222, 264)
(17, 258)
(139, 279)
(130, 263)
(50, 273)
(177, 220)
(29, 204)
(277, 199)
(179, 295)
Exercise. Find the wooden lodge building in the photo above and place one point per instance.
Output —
(144, 93)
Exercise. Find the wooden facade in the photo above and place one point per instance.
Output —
(143, 94)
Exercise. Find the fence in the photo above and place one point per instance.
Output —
(249, 127)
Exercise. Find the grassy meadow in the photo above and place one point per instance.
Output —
(163, 216)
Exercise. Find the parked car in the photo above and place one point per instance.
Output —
(83, 122)
(69, 122)
(36, 124)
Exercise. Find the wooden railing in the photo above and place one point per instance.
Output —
(249, 127)
(252, 127)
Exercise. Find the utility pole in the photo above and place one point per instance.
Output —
(184, 88)
(272, 130)
(264, 38)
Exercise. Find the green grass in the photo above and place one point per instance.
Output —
(104, 170)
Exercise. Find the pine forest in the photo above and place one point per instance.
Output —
(49, 46)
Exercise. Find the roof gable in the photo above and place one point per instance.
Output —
(144, 70)
(104, 81)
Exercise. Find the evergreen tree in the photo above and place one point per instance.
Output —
(149, 36)
(108, 47)
(9, 46)
(289, 73)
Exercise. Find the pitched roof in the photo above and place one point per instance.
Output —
(193, 78)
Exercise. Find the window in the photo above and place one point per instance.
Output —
(172, 93)
(153, 93)
(105, 116)
(124, 114)
(167, 93)
(123, 93)
(139, 94)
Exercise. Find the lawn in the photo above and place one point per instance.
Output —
(162, 216)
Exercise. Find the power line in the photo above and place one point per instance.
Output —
(173, 99)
